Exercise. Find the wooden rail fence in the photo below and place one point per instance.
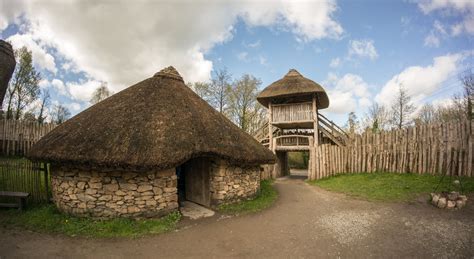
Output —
(424, 149)
(22, 175)
(17, 137)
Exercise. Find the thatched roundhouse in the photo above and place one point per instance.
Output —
(293, 87)
(140, 151)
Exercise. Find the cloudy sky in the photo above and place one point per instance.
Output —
(360, 51)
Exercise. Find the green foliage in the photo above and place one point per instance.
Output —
(298, 160)
(24, 86)
(389, 186)
(49, 219)
(264, 199)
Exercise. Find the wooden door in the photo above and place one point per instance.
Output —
(197, 181)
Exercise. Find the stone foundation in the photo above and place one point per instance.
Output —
(230, 184)
(114, 194)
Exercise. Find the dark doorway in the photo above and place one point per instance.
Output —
(194, 181)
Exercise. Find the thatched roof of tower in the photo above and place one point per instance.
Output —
(156, 123)
(294, 85)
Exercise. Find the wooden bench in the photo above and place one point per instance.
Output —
(20, 197)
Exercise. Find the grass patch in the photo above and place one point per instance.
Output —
(389, 186)
(264, 199)
(49, 219)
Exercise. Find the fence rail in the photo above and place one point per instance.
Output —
(424, 149)
(17, 137)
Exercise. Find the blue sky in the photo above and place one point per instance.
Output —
(360, 51)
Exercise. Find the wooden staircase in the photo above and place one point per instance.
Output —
(332, 131)
(326, 127)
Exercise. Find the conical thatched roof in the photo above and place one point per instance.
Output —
(294, 85)
(156, 123)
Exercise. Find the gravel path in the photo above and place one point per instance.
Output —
(305, 222)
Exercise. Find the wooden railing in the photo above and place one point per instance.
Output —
(294, 112)
(332, 131)
(288, 142)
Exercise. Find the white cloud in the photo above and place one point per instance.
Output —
(348, 93)
(59, 86)
(82, 91)
(262, 60)
(462, 8)
(335, 62)
(420, 81)
(252, 45)
(73, 107)
(362, 48)
(122, 42)
(431, 40)
(243, 56)
(428, 6)
(41, 58)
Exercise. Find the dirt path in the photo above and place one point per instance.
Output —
(305, 222)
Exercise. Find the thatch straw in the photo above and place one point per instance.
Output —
(296, 87)
(157, 123)
(7, 66)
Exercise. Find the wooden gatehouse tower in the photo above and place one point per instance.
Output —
(294, 123)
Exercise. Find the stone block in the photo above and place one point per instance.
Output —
(442, 203)
(120, 193)
(81, 185)
(451, 204)
(128, 186)
(144, 188)
(151, 203)
(157, 190)
(460, 204)
(91, 191)
(105, 198)
(113, 187)
(170, 190)
(95, 185)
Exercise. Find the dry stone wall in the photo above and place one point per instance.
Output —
(114, 194)
(230, 184)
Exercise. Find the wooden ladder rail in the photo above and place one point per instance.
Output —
(332, 131)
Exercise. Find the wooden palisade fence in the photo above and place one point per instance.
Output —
(22, 175)
(424, 149)
(17, 137)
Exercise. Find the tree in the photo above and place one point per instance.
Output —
(243, 107)
(44, 104)
(201, 89)
(376, 117)
(427, 114)
(402, 108)
(352, 123)
(24, 88)
(60, 114)
(467, 80)
(101, 93)
(219, 89)
(29, 116)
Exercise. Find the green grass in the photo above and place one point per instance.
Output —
(264, 199)
(389, 186)
(48, 219)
